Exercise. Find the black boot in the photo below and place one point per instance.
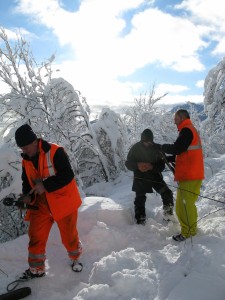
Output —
(167, 212)
(141, 220)
(139, 208)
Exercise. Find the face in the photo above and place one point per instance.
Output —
(147, 144)
(178, 119)
(31, 149)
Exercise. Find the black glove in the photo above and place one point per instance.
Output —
(170, 158)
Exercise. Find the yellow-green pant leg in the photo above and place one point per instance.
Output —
(187, 195)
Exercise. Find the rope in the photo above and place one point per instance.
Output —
(13, 285)
(188, 192)
(4, 272)
(172, 170)
(176, 187)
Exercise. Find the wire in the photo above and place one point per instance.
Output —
(176, 187)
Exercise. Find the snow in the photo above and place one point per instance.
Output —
(123, 260)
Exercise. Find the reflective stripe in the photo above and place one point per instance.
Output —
(37, 256)
(76, 252)
(199, 145)
(38, 270)
(49, 163)
(34, 264)
(36, 260)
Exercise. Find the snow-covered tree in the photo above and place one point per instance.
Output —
(145, 114)
(11, 223)
(69, 126)
(214, 102)
(26, 81)
(112, 138)
(51, 106)
(54, 110)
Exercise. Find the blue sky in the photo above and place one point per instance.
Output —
(114, 50)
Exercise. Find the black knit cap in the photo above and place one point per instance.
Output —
(147, 136)
(24, 135)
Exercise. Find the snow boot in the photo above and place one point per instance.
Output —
(141, 220)
(168, 212)
(76, 266)
(27, 275)
(179, 237)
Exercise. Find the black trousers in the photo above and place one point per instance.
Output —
(140, 199)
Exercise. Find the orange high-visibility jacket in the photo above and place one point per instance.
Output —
(189, 164)
(63, 201)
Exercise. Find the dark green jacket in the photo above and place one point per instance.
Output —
(143, 181)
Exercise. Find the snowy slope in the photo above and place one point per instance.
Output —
(123, 260)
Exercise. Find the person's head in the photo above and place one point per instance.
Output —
(26, 140)
(180, 116)
(147, 137)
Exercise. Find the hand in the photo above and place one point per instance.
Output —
(25, 199)
(39, 188)
(144, 167)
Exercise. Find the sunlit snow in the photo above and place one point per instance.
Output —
(123, 260)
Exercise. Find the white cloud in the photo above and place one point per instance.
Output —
(220, 48)
(103, 53)
(96, 88)
(176, 99)
(14, 33)
(210, 14)
(200, 83)
(10, 34)
(98, 25)
(209, 11)
(162, 37)
(170, 88)
(174, 94)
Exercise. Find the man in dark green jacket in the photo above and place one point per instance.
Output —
(147, 164)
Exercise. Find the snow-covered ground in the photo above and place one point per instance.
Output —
(123, 260)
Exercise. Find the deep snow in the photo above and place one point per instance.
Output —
(123, 260)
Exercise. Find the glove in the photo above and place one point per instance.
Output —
(25, 199)
(171, 158)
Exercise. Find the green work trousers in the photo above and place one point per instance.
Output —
(187, 195)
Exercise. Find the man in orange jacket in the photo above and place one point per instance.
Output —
(48, 182)
(189, 173)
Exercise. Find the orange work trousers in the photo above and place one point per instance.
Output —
(41, 222)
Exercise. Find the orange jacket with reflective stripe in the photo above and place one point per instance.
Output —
(189, 164)
(63, 201)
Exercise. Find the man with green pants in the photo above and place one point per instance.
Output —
(189, 173)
